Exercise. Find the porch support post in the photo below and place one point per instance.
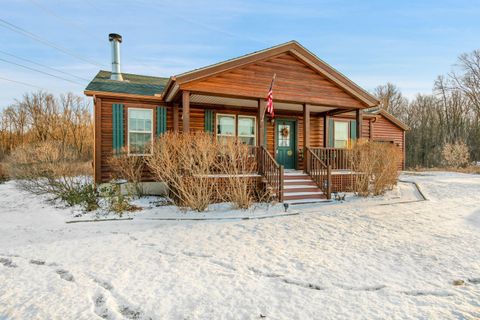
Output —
(261, 122)
(186, 111)
(306, 125)
(175, 117)
(306, 136)
(359, 117)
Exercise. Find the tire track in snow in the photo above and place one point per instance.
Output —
(307, 285)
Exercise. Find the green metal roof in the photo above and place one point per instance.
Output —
(132, 84)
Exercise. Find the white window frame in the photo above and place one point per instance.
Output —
(348, 133)
(136, 131)
(254, 136)
(234, 125)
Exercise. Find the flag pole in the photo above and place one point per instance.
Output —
(271, 87)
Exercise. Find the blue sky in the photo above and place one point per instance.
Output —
(407, 43)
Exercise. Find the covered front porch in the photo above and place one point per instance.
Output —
(299, 137)
(318, 111)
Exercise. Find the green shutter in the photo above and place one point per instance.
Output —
(209, 121)
(353, 130)
(161, 120)
(331, 124)
(117, 110)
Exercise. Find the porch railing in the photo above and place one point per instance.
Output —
(271, 171)
(338, 159)
(319, 171)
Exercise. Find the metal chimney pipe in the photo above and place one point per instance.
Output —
(115, 40)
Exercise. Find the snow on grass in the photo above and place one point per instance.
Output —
(359, 259)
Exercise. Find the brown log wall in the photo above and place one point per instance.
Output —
(383, 129)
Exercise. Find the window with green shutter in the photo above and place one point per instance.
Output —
(117, 123)
(161, 120)
(353, 131)
(330, 133)
(209, 121)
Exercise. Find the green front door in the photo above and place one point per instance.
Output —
(286, 143)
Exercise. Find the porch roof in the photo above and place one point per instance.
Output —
(132, 84)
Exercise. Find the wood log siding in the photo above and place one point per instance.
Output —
(383, 129)
(105, 147)
(295, 81)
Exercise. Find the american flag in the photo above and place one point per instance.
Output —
(270, 98)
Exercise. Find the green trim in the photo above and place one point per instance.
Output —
(161, 120)
(209, 121)
(117, 123)
(331, 124)
(353, 130)
(295, 139)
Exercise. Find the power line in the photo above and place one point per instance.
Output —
(40, 71)
(44, 66)
(33, 36)
(65, 20)
(20, 82)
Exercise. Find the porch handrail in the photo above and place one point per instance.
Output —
(319, 171)
(337, 158)
(273, 173)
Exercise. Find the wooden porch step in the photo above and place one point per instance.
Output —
(296, 177)
(300, 188)
(308, 182)
(303, 196)
(306, 201)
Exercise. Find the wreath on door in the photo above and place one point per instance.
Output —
(284, 132)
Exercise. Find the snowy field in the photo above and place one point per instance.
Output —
(362, 259)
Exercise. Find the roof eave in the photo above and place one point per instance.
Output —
(91, 93)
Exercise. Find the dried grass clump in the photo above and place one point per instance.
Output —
(237, 162)
(184, 162)
(456, 155)
(49, 168)
(377, 167)
(129, 168)
(3, 173)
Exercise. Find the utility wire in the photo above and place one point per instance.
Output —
(65, 20)
(42, 65)
(40, 71)
(20, 82)
(33, 36)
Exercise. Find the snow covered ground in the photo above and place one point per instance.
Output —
(361, 259)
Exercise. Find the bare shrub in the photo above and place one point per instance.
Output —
(456, 155)
(377, 165)
(3, 173)
(130, 168)
(236, 163)
(184, 161)
(49, 168)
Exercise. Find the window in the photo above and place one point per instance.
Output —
(246, 130)
(225, 126)
(140, 131)
(283, 135)
(341, 134)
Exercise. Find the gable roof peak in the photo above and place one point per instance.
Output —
(293, 47)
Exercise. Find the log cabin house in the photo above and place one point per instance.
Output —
(301, 151)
